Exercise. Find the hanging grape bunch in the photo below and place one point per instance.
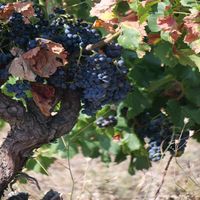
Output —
(49, 54)
(160, 136)
(103, 122)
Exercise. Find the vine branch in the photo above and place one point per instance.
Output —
(29, 131)
(103, 42)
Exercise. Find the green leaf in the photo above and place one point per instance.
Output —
(132, 141)
(193, 95)
(90, 149)
(164, 52)
(137, 102)
(192, 113)
(187, 57)
(131, 38)
(160, 83)
(40, 164)
(114, 148)
(104, 141)
(60, 149)
(141, 159)
(189, 3)
(105, 157)
(152, 22)
(175, 112)
(120, 157)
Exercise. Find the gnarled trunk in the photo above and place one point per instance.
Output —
(30, 130)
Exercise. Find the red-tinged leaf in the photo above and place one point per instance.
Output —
(102, 7)
(146, 2)
(192, 25)
(104, 11)
(101, 24)
(131, 16)
(7, 11)
(169, 25)
(132, 37)
(44, 96)
(46, 58)
(153, 38)
(117, 137)
(135, 25)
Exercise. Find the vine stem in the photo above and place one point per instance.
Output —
(103, 42)
(163, 178)
(66, 145)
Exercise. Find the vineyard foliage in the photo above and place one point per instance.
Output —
(145, 109)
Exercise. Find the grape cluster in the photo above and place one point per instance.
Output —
(72, 34)
(99, 78)
(103, 122)
(101, 81)
(59, 79)
(20, 32)
(160, 136)
(19, 88)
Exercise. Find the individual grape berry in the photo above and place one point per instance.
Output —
(103, 122)
(113, 50)
(32, 44)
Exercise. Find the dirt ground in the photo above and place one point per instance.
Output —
(93, 180)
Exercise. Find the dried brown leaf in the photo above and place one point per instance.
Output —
(45, 58)
(25, 8)
(7, 11)
(44, 96)
(19, 68)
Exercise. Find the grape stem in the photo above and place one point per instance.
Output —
(103, 42)
(163, 178)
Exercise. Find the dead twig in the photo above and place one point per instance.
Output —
(163, 178)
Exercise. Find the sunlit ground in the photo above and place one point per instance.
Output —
(93, 180)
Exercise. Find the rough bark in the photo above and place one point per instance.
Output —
(29, 130)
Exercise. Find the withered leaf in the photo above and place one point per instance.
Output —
(25, 8)
(45, 58)
(7, 11)
(44, 96)
(19, 68)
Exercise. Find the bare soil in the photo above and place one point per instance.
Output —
(93, 180)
